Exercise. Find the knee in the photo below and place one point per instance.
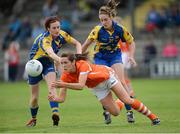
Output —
(116, 112)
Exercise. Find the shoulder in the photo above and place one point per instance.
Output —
(63, 33)
(123, 28)
(46, 36)
(83, 65)
(96, 28)
(94, 32)
(119, 27)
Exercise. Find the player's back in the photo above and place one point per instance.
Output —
(98, 74)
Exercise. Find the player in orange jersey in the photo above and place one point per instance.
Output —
(78, 73)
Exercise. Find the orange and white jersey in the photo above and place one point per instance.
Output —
(124, 46)
(96, 73)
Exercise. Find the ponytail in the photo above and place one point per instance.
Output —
(109, 9)
(112, 4)
(83, 56)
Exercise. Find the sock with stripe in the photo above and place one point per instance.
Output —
(55, 107)
(140, 107)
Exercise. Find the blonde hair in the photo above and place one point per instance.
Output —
(109, 8)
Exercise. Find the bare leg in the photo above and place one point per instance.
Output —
(51, 77)
(110, 104)
(136, 104)
(120, 71)
(33, 105)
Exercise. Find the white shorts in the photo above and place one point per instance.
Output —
(103, 89)
(126, 64)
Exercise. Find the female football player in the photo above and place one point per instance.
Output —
(78, 73)
(106, 37)
(45, 49)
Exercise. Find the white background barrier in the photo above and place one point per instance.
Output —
(165, 68)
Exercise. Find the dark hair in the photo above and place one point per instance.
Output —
(109, 8)
(71, 57)
(50, 20)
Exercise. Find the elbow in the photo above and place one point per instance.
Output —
(79, 48)
(50, 55)
(133, 44)
(81, 86)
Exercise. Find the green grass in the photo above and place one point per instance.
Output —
(82, 112)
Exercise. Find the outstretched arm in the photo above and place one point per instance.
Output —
(75, 86)
(78, 46)
(131, 53)
(64, 86)
(86, 45)
(51, 54)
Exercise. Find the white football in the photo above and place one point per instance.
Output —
(33, 68)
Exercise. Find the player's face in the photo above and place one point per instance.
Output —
(106, 21)
(67, 65)
(54, 29)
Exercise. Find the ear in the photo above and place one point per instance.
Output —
(74, 62)
(48, 28)
(111, 17)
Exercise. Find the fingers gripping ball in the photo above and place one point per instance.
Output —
(33, 68)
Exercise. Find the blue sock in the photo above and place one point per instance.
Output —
(128, 107)
(34, 112)
(54, 107)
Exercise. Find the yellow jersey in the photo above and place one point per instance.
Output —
(107, 41)
(45, 41)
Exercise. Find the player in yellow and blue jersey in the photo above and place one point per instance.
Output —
(45, 49)
(107, 52)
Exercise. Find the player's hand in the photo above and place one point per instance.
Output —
(132, 61)
(57, 84)
(52, 97)
(54, 85)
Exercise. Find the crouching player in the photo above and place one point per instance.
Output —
(78, 73)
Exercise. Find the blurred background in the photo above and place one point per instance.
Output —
(155, 25)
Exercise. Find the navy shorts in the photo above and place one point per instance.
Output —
(108, 59)
(48, 66)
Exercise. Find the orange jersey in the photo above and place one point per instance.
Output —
(123, 46)
(96, 74)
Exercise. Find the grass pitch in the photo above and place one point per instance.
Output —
(82, 113)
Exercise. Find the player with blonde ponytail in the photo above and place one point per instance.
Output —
(107, 51)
